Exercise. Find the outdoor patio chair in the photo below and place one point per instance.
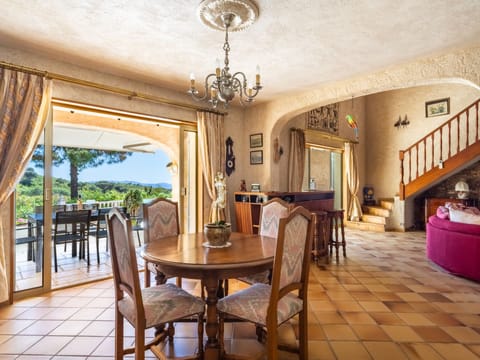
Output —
(149, 307)
(270, 305)
(72, 227)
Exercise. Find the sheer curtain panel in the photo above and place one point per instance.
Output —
(24, 102)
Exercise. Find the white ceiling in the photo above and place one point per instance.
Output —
(299, 45)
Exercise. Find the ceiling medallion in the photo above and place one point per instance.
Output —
(221, 85)
(211, 13)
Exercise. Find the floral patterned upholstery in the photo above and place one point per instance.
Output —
(251, 304)
(148, 307)
(162, 304)
(272, 212)
(270, 305)
(161, 220)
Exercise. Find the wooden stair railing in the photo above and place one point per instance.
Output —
(444, 149)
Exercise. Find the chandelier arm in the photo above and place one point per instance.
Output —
(205, 96)
(244, 92)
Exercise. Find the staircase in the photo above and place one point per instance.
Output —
(450, 147)
(375, 217)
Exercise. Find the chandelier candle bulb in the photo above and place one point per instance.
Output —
(257, 75)
(192, 80)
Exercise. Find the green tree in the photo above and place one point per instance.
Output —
(79, 160)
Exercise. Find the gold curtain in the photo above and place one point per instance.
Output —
(24, 102)
(296, 160)
(211, 143)
(354, 212)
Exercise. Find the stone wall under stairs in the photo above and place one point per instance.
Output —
(375, 217)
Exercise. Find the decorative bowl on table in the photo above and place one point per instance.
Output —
(218, 234)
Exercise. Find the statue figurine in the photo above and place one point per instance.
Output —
(243, 186)
(218, 205)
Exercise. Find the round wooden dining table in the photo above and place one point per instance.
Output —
(187, 255)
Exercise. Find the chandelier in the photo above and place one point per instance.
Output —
(221, 86)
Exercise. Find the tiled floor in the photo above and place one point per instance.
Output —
(384, 301)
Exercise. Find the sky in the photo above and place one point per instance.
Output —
(139, 167)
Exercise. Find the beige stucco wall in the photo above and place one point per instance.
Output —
(273, 119)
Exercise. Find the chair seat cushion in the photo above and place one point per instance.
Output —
(162, 303)
(251, 304)
(262, 278)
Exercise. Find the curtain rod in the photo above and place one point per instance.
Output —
(129, 94)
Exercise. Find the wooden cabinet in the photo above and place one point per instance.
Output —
(247, 211)
(248, 205)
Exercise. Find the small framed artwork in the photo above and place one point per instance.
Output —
(437, 107)
(255, 187)
(256, 140)
(256, 157)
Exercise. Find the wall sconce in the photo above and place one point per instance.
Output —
(402, 123)
(172, 167)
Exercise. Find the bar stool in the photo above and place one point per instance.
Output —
(335, 219)
(320, 236)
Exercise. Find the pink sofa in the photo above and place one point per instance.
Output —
(454, 246)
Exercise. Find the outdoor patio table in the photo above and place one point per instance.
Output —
(187, 256)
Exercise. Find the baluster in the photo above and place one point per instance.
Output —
(441, 143)
(433, 149)
(425, 156)
(449, 139)
(476, 108)
(410, 165)
(458, 134)
(466, 135)
(417, 160)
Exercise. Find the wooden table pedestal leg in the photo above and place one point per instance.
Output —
(212, 347)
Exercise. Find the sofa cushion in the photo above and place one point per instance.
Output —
(442, 212)
(464, 216)
(445, 224)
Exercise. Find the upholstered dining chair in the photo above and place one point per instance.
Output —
(148, 307)
(160, 219)
(270, 305)
(271, 213)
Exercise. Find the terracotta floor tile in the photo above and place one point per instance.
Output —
(420, 352)
(435, 297)
(330, 317)
(462, 334)
(384, 350)
(364, 295)
(320, 350)
(432, 334)
(349, 350)
(401, 333)
(49, 345)
(399, 306)
(374, 306)
(339, 332)
(358, 318)
(468, 319)
(454, 351)
(347, 306)
(415, 319)
(370, 333)
(84, 345)
(442, 319)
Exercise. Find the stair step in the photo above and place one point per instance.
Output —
(360, 225)
(375, 219)
(376, 210)
(386, 203)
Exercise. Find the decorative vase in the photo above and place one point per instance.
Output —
(217, 234)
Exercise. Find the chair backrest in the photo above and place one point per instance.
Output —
(124, 259)
(79, 219)
(270, 215)
(292, 256)
(160, 219)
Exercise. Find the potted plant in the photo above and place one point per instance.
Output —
(218, 233)
(133, 200)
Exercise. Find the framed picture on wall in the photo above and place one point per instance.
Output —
(256, 140)
(256, 157)
(437, 107)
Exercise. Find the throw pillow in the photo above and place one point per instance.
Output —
(442, 212)
(464, 217)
